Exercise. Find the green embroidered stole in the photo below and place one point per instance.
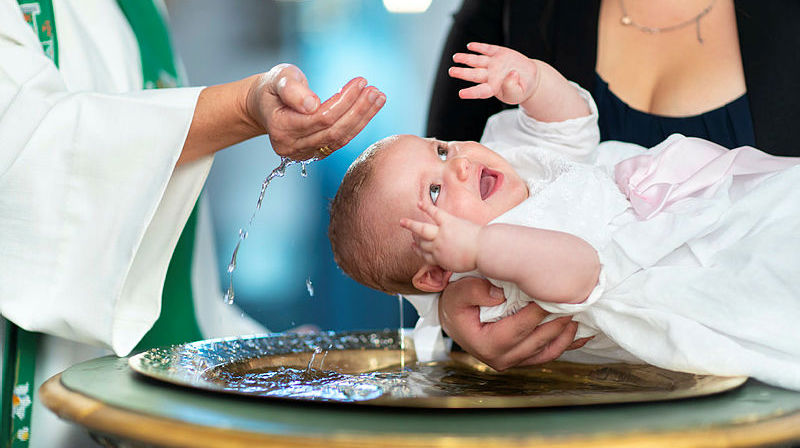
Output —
(177, 322)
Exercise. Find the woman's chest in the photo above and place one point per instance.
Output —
(671, 72)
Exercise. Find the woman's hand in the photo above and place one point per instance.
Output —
(299, 127)
(498, 71)
(449, 242)
(516, 340)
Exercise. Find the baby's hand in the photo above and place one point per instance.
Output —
(450, 242)
(497, 71)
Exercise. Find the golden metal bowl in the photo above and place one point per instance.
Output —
(379, 368)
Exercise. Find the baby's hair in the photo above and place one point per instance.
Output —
(360, 250)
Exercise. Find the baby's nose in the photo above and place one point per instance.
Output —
(462, 168)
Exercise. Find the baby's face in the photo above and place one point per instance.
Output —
(466, 179)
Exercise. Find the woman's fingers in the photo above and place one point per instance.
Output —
(460, 313)
(476, 75)
(578, 343)
(555, 348)
(474, 292)
(515, 340)
(513, 329)
(548, 342)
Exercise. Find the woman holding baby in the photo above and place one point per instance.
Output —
(721, 70)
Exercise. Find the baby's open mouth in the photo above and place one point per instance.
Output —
(488, 183)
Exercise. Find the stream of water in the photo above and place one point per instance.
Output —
(279, 171)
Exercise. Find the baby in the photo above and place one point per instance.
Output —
(685, 257)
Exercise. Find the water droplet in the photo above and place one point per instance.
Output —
(317, 351)
(401, 335)
(310, 287)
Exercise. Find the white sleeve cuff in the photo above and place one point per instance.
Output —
(576, 138)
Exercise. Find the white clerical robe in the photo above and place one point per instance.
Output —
(91, 203)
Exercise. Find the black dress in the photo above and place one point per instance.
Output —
(563, 33)
(729, 125)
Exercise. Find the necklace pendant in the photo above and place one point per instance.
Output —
(626, 20)
(697, 29)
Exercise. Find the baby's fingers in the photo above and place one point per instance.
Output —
(423, 230)
(511, 85)
(476, 75)
(438, 215)
(473, 60)
(479, 47)
(479, 92)
(426, 255)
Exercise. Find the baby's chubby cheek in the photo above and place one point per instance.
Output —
(477, 213)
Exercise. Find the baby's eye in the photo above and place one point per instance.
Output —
(441, 151)
(435, 191)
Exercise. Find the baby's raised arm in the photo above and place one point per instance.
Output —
(539, 89)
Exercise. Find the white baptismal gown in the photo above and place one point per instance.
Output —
(700, 246)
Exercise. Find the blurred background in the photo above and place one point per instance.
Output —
(332, 41)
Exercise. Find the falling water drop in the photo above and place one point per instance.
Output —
(229, 295)
(324, 355)
(279, 171)
(402, 336)
(310, 287)
(311, 361)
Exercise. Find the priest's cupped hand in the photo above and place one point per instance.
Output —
(299, 126)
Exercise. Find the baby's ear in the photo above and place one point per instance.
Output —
(431, 278)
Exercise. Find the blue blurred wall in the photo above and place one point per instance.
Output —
(332, 41)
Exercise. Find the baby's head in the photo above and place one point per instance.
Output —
(385, 183)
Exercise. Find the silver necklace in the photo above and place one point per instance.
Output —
(627, 21)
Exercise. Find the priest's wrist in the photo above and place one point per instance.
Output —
(220, 120)
(252, 102)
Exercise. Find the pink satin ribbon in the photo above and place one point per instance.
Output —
(683, 167)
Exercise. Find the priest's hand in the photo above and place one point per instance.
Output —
(301, 128)
(516, 340)
(279, 103)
